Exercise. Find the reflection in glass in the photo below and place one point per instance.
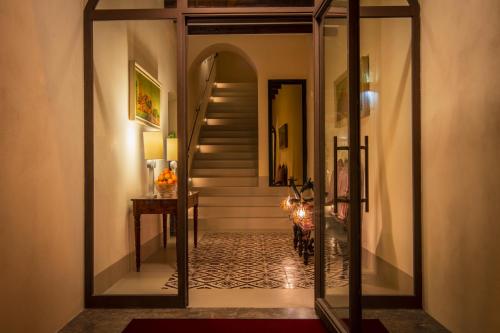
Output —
(387, 226)
(134, 80)
(336, 165)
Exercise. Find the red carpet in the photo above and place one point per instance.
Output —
(238, 326)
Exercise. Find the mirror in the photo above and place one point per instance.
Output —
(287, 131)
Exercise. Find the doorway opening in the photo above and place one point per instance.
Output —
(245, 255)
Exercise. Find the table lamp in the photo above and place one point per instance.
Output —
(153, 150)
(172, 153)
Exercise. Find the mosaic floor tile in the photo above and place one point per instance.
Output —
(228, 260)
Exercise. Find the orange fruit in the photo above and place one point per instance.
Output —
(170, 182)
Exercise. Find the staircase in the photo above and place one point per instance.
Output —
(225, 166)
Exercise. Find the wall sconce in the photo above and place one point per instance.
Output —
(153, 150)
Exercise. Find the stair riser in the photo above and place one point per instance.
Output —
(232, 115)
(234, 224)
(227, 156)
(220, 164)
(232, 122)
(245, 212)
(224, 128)
(229, 141)
(280, 192)
(228, 134)
(240, 201)
(224, 173)
(234, 93)
(227, 107)
(224, 181)
(227, 148)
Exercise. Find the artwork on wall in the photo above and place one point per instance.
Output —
(283, 136)
(342, 96)
(144, 94)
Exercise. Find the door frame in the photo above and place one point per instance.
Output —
(303, 87)
(181, 14)
(414, 301)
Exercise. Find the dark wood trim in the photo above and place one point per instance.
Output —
(325, 314)
(240, 20)
(88, 124)
(182, 187)
(302, 28)
(416, 155)
(272, 84)
(283, 11)
(134, 14)
(320, 10)
(319, 161)
(354, 226)
(374, 12)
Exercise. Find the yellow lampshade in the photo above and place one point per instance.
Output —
(171, 149)
(153, 145)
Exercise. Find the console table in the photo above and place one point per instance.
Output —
(163, 206)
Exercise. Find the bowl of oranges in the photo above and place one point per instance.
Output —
(166, 183)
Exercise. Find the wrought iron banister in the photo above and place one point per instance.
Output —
(200, 103)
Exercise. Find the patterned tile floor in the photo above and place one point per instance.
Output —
(254, 260)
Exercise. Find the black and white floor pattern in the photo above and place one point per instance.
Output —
(265, 260)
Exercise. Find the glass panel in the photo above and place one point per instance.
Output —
(136, 4)
(250, 3)
(387, 227)
(336, 166)
(136, 59)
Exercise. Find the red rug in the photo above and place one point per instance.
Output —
(238, 326)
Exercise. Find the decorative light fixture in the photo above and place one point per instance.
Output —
(153, 150)
(172, 154)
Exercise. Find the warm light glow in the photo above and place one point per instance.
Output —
(286, 204)
(153, 145)
(172, 149)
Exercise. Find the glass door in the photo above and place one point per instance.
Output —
(338, 169)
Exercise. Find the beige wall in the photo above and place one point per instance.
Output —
(287, 109)
(273, 57)
(41, 172)
(461, 163)
(233, 68)
(120, 168)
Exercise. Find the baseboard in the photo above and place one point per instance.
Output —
(108, 277)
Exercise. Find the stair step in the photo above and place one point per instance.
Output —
(227, 156)
(209, 212)
(221, 164)
(243, 127)
(224, 181)
(231, 122)
(231, 141)
(228, 107)
(236, 85)
(234, 92)
(212, 172)
(240, 201)
(234, 100)
(222, 148)
(249, 223)
(229, 134)
(231, 115)
(233, 191)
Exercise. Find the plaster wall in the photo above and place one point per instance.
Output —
(461, 163)
(41, 171)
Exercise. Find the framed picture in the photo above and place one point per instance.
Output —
(342, 95)
(283, 136)
(144, 93)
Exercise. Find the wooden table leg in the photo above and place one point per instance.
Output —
(164, 221)
(195, 222)
(137, 230)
